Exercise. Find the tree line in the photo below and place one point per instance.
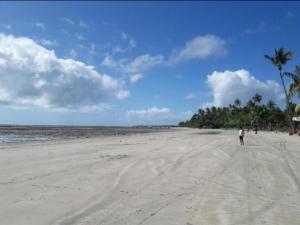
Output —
(254, 113)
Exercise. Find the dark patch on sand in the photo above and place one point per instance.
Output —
(114, 157)
(210, 132)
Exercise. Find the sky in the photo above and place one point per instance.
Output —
(138, 63)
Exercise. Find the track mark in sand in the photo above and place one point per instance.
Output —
(181, 159)
(120, 175)
(120, 202)
(292, 155)
(185, 156)
(246, 175)
(131, 195)
(211, 183)
(282, 149)
(154, 213)
(289, 166)
(94, 207)
(269, 202)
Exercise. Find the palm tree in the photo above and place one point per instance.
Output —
(294, 88)
(237, 103)
(271, 105)
(280, 58)
(257, 98)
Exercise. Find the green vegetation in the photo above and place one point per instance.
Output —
(253, 113)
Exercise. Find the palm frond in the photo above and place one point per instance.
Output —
(272, 59)
(288, 74)
(297, 71)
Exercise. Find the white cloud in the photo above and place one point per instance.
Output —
(156, 115)
(143, 62)
(190, 96)
(40, 25)
(130, 44)
(6, 26)
(92, 49)
(199, 48)
(110, 62)
(260, 28)
(135, 77)
(68, 21)
(124, 36)
(47, 43)
(228, 85)
(83, 24)
(31, 75)
(137, 65)
(73, 54)
(206, 105)
(80, 37)
(123, 94)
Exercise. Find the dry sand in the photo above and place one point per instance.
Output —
(184, 177)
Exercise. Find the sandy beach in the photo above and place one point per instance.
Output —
(181, 177)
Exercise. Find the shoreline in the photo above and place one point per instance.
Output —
(20, 134)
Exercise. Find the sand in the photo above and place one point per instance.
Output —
(182, 177)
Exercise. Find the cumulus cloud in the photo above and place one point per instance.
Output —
(156, 115)
(228, 85)
(199, 48)
(135, 77)
(32, 75)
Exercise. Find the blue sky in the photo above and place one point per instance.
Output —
(128, 63)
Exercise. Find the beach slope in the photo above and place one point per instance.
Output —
(181, 177)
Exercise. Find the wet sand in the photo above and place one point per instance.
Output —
(182, 177)
(73, 132)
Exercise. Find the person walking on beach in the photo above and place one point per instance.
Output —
(241, 135)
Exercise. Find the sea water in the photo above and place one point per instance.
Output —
(15, 138)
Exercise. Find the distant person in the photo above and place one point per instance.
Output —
(241, 135)
(255, 129)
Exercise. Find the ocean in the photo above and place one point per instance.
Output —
(15, 133)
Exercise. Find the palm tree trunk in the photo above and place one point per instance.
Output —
(287, 103)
